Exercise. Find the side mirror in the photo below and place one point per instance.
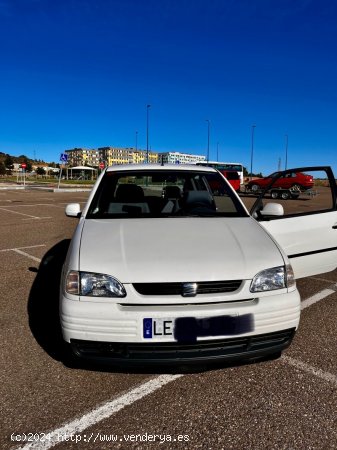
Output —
(272, 209)
(73, 210)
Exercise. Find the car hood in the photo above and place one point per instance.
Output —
(177, 249)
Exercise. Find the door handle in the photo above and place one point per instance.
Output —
(334, 227)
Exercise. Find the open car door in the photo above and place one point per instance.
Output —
(302, 218)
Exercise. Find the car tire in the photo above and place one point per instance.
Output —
(285, 195)
(274, 194)
(296, 187)
(254, 187)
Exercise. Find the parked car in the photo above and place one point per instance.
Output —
(296, 180)
(161, 271)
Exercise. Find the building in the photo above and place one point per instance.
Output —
(82, 157)
(179, 158)
(123, 155)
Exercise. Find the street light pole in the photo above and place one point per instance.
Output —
(147, 132)
(208, 133)
(252, 153)
(286, 163)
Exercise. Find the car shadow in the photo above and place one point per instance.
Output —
(43, 302)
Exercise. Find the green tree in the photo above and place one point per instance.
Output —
(9, 163)
(2, 169)
(40, 171)
(29, 166)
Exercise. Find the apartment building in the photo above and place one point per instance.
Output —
(123, 155)
(179, 158)
(82, 157)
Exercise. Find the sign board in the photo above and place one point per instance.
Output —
(101, 165)
(64, 157)
(23, 165)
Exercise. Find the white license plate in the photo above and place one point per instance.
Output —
(158, 328)
(185, 329)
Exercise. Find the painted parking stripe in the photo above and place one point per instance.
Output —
(20, 252)
(101, 413)
(108, 409)
(21, 214)
(22, 248)
(310, 369)
(319, 296)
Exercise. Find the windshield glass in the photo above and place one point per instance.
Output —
(164, 193)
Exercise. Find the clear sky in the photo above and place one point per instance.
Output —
(79, 73)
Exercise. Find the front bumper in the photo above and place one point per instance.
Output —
(221, 350)
(111, 331)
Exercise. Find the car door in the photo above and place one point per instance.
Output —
(304, 225)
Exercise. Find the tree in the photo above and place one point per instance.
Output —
(40, 171)
(9, 163)
(2, 169)
(29, 166)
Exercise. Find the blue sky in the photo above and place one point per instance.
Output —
(79, 73)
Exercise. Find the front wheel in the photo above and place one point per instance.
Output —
(285, 195)
(255, 187)
(274, 194)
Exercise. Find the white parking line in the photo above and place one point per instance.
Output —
(20, 251)
(310, 369)
(103, 412)
(21, 214)
(21, 248)
(108, 409)
(319, 296)
(29, 204)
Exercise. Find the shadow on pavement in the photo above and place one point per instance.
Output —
(43, 302)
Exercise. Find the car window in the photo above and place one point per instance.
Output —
(232, 176)
(307, 193)
(160, 193)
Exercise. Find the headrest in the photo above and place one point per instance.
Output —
(172, 192)
(129, 193)
(198, 200)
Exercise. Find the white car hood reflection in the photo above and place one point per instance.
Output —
(176, 249)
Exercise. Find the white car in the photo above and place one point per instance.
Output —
(161, 270)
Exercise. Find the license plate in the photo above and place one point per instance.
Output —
(158, 328)
(188, 329)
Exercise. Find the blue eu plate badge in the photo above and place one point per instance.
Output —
(147, 328)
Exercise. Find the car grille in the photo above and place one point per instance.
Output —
(228, 349)
(204, 287)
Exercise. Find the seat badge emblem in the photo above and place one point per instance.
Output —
(189, 289)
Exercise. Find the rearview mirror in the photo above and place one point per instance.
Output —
(73, 210)
(272, 209)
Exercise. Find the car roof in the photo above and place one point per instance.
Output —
(159, 167)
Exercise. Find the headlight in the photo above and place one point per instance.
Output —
(93, 285)
(272, 279)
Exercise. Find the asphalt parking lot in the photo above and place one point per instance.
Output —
(288, 403)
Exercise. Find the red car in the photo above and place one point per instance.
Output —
(297, 180)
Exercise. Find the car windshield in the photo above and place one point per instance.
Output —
(164, 193)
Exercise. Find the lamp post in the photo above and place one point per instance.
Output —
(208, 133)
(252, 153)
(147, 132)
(286, 163)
